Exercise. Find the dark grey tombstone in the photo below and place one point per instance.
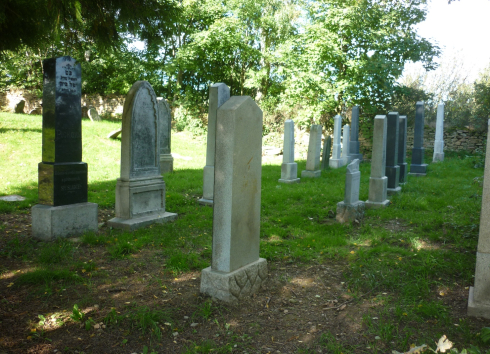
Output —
(63, 209)
(354, 135)
(327, 145)
(392, 168)
(418, 167)
(166, 159)
(19, 107)
(402, 149)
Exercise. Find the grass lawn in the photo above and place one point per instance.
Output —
(400, 277)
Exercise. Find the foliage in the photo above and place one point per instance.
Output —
(77, 315)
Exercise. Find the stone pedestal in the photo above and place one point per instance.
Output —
(392, 169)
(166, 163)
(289, 168)
(439, 138)
(51, 222)
(350, 212)
(236, 268)
(402, 149)
(140, 191)
(418, 167)
(336, 160)
(479, 299)
(234, 285)
(313, 158)
(354, 135)
(218, 94)
(378, 182)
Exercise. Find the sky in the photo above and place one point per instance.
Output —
(460, 26)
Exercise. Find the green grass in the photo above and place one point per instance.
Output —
(423, 242)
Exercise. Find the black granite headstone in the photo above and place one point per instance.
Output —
(327, 145)
(62, 174)
(402, 149)
(392, 168)
(417, 166)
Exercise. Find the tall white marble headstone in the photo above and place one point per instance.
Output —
(218, 95)
(236, 269)
(346, 158)
(289, 168)
(479, 297)
(313, 157)
(378, 182)
(140, 191)
(336, 160)
(439, 141)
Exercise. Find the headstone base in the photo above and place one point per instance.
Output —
(336, 163)
(476, 309)
(418, 170)
(51, 222)
(377, 205)
(403, 173)
(392, 191)
(311, 174)
(230, 287)
(377, 192)
(207, 202)
(350, 212)
(438, 157)
(142, 221)
(166, 163)
(289, 181)
(289, 173)
(355, 156)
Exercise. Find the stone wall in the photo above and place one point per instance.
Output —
(454, 140)
(111, 105)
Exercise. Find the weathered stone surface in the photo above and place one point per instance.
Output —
(51, 222)
(313, 157)
(439, 142)
(347, 213)
(12, 198)
(236, 269)
(346, 145)
(114, 134)
(354, 135)
(218, 94)
(402, 149)
(327, 146)
(392, 168)
(232, 286)
(289, 168)
(351, 209)
(165, 131)
(140, 191)
(336, 160)
(93, 114)
(418, 167)
(378, 182)
(479, 300)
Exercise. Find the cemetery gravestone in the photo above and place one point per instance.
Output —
(378, 182)
(439, 140)
(92, 114)
(140, 191)
(479, 297)
(327, 146)
(346, 145)
(354, 135)
(289, 168)
(313, 157)
(166, 159)
(392, 168)
(218, 95)
(351, 208)
(336, 161)
(63, 209)
(19, 107)
(402, 149)
(236, 269)
(417, 167)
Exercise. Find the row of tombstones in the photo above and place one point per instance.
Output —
(236, 139)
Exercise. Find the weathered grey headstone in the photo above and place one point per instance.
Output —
(166, 159)
(236, 270)
(218, 95)
(402, 149)
(37, 111)
(418, 167)
(327, 146)
(313, 156)
(114, 134)
(19, 107)
(346, 145)
(63, 209)
(392, 168)
(289, 168)
(378, 182)
(354, 135)
(439, 140)
(140, 191)
(336, 160)
(479, 297)
(12, 198)
(92, 114)
(351, 208)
